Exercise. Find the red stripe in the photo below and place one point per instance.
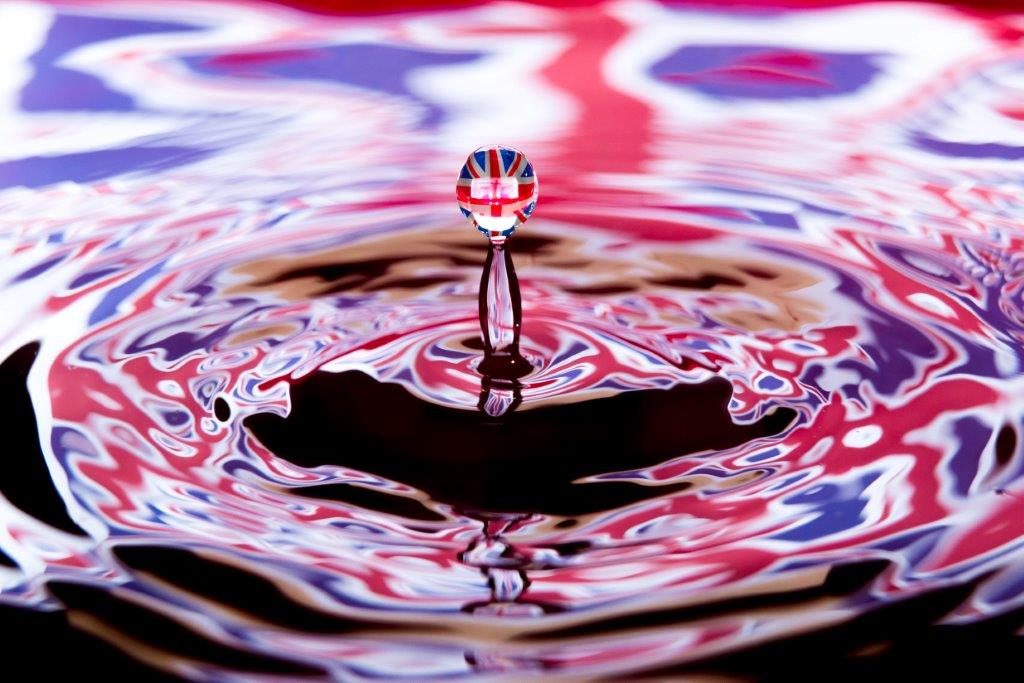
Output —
(486, 201)
(495, 163)
(515, 166)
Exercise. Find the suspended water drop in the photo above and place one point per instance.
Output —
(497, 192)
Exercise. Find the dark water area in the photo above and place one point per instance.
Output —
(26, 482)
(521, 462)
(742, 399)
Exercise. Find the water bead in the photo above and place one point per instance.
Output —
(497, 190)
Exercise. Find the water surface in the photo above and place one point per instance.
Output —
(772, 290)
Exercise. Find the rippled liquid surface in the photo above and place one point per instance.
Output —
(240, 314)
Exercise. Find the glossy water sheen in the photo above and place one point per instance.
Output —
(773, 295)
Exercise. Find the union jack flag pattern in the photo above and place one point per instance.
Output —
(497, 190)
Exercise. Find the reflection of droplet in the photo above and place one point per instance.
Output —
(499, 397)
(497, 190)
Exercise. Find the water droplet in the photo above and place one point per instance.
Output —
(497, 190)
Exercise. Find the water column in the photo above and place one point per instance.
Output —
(497, 192)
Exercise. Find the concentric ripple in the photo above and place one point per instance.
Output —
(774, 285)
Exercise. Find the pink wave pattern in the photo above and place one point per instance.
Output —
(840, 237)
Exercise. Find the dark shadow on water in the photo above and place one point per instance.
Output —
(900, 641)
(841, 580)
(236, 588)
(526, 461)
(70, 651)
(25, 479)
(144, 625)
